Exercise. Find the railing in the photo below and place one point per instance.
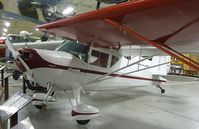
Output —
(6, 114)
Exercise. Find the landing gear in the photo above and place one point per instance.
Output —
(82, 113)
(82, 122)
(161, 89)
(42, 99)
(39, 107)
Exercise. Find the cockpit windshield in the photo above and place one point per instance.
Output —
(78, 50)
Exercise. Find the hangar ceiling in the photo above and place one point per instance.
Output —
(17, 25)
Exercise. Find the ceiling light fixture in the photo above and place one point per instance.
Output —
(36, 29)
(5, 30)
(68, 10)
(7, 24)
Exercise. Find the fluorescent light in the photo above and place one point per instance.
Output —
(4, 34)
(7, 24)
(68, 10)
(5, 30)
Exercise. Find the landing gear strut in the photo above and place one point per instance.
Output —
(42, 99)
(162, 90)
(82, 113)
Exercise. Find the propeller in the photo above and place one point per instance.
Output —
(29, 72)
(16, 56)
(12, 49)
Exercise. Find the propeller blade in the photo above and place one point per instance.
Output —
(16, 55)
(11, 48)
(29, 72)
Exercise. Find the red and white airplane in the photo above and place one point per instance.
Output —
(92, 60)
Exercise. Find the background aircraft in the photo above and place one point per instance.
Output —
(41, 11)
(25, 40)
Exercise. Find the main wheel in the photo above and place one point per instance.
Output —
(16, 75)
(38, 107)
(41, 107)
(82, 122)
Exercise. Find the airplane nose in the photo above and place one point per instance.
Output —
(24, 61)
(24, 54)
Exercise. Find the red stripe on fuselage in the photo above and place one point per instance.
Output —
(36, 61)
(74, 113)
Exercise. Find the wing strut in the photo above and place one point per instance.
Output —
(120, 75)
(162, 47)
(111, 73)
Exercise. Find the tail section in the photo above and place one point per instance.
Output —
(162, 69)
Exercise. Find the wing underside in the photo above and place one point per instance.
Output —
(173, 22)
(168, 25)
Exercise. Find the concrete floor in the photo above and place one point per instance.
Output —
(133, 108)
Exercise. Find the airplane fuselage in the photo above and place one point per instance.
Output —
(65, 70)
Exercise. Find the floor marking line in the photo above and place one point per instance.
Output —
(173, 113)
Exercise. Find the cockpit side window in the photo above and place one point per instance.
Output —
(78, 50)
(99, 58)
(114, 60)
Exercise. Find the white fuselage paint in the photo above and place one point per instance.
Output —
(65, 79)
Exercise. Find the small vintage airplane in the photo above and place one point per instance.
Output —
(92, 59)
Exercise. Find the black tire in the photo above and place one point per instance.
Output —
(82, 122)
(16, 75)
(38, 107)
(162, 91)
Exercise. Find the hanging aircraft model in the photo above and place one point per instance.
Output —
(20, 41)
(42, 11)
(169, 25)
(36, 11)
(51, 9)
(109, 2)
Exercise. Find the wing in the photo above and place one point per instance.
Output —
(172, 22)
(169, 25)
